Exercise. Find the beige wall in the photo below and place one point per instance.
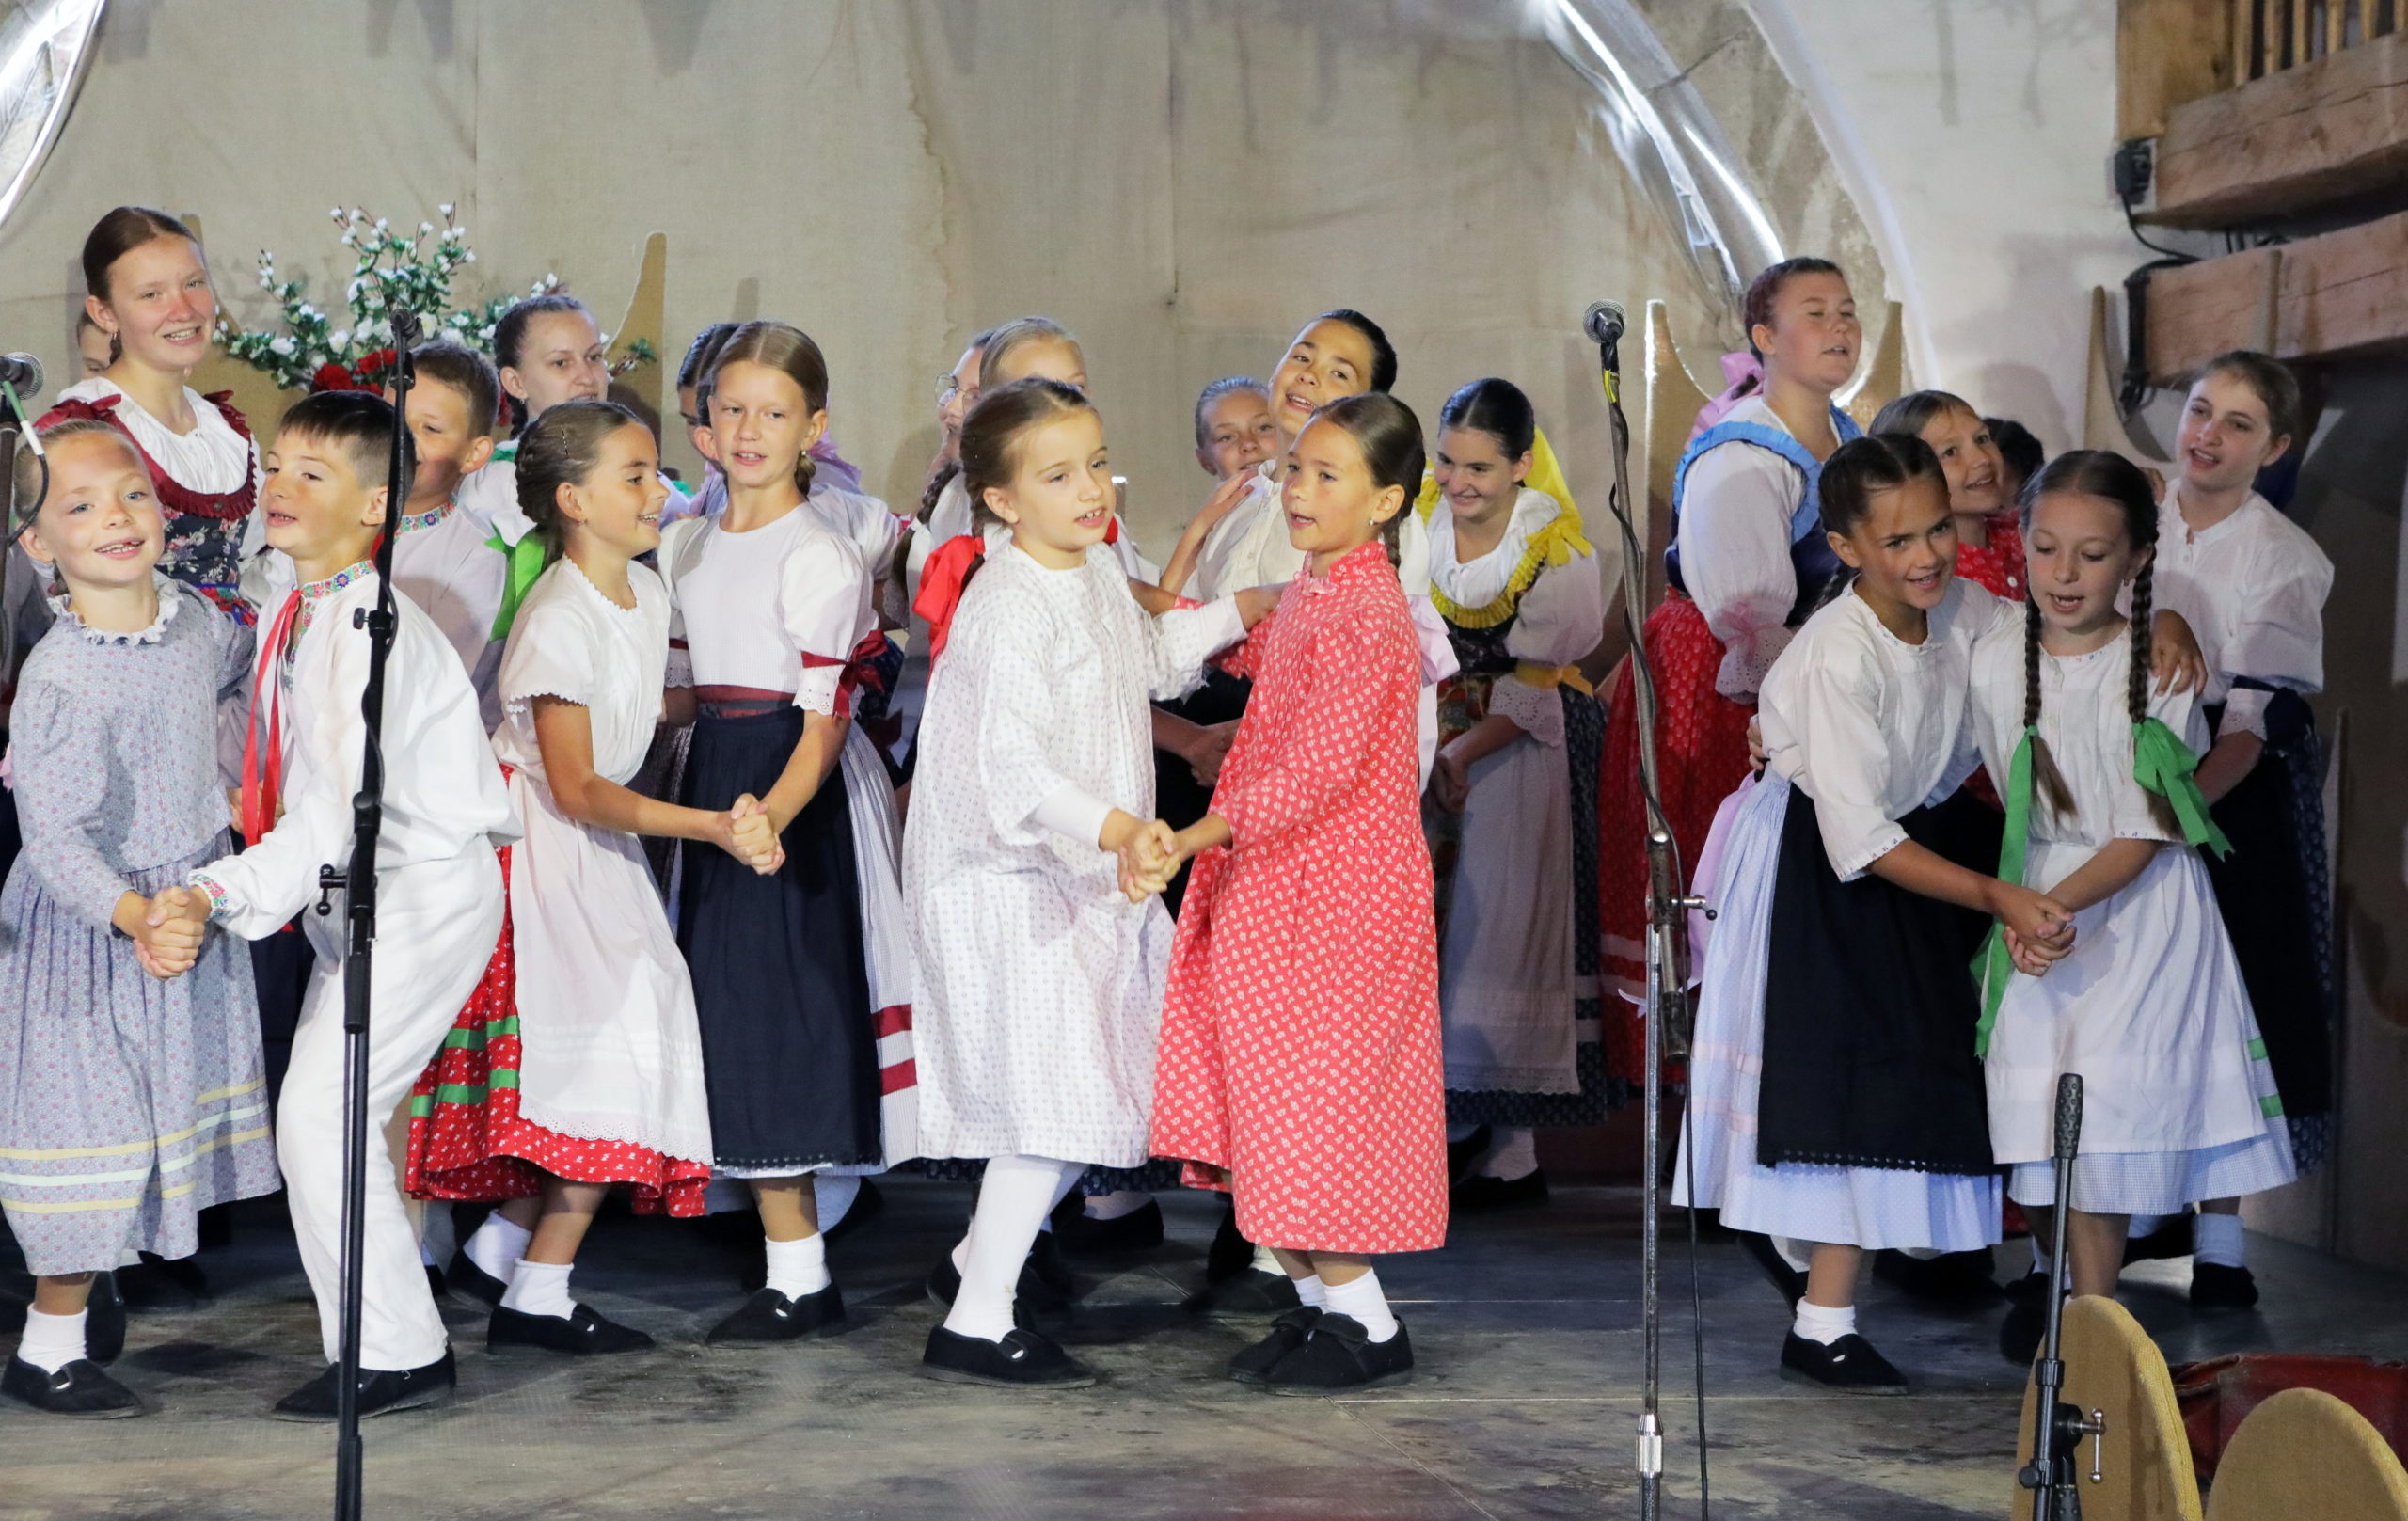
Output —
(1181, 183)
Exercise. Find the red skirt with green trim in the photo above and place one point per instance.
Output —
(467, 1141)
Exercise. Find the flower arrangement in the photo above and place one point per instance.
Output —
(321, 352)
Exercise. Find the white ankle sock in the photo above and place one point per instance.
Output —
(1362, 1300)
(1514, 1154)
(2218, 1239)
(1314, 1292)
(799, 1269)
(52, 1341)
(1018, 1194)
(834, 1194)
(1113, 1205)
(497, 1245)
(1267, 1261)
(540, 1289)
(1820, 1323)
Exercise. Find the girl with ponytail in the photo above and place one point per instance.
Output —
(2104, 816)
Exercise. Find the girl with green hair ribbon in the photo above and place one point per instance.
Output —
(2103, 815)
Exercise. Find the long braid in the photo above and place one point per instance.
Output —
(2047, 783)
(938, 480)
(2136, 683)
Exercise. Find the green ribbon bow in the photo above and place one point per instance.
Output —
(527, 559)
(2162, 764)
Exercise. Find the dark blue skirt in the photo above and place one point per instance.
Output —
(781, 985)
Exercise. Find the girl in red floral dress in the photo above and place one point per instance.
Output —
(1300, 1062)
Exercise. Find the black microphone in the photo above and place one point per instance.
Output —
(22, 373)
(2069, 1115)
(1603, 325)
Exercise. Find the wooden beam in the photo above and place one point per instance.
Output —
(2167, 52)
(2288, 143)
(2345, 292)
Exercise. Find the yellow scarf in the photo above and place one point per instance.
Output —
(1556, 544)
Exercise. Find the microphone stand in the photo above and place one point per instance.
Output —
(357, 884)
(2057, 1428)
(1667, 909)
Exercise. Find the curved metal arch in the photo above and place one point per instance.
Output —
(45, 51)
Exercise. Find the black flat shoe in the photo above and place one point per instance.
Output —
(1482, 1191)
(2214, 1286)
(1339, 1355)
(80, 1391)
(1787, 1280)
(157, 1286)
(1952, 1277)
(1253, 1292)
(771, 1316)
(1230, 1253)
(2024, 1328)
(1850, 1363)
(1023, 1360)
(584, 1334)
(1252, 1365)
(104, 1321)
(381, 1392)
(2172, 1238)
(1139, 1230)
(1463, 1155)
(467, 1278)
(2028, 1289)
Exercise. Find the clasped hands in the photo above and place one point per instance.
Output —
(167, 930)
(748, 832)
(1151, 855)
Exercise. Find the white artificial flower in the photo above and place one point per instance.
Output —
(426, 227)
(282, 347)
(340, 337)
(468, 258)
(446, 210)
(336, 213)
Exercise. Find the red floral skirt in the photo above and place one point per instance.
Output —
(467, 1141)
(1701, 755)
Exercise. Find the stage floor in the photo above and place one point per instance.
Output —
(1527, 1328)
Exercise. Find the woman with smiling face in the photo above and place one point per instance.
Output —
(1749, 562)
(147, 288)
(1512, 805)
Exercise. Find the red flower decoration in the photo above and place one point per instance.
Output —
(331, 376)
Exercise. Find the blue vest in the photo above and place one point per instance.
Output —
(1810, 553)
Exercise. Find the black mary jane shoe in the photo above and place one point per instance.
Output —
(381, 1392)
(1139, 1230)
(769, 1316)
(582, 1334)
(1037, 1293)
(1024, 1359)
(1482, 1191)
(2214, 1286)
(1340, 1356)
(467, 1278)
(1788, 1280)
(80, 1391)
(1850, 1363)
(104, 1321)
(1251, 1365)
(1952, 1277)
(1255, 1292)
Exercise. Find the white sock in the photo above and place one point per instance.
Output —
(1018, 1194)
(2217, 1238)
(1820, 1323)
(1514, 1154)
(540, 1289)
(1113, 1205)
(497, 1245)
(1363, 1300)
(52, 1341)
(1314, 1292)
(799, 1269)
(1266, 1261)
(437, 1238)
(834, 1194)
(2143, 1225)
